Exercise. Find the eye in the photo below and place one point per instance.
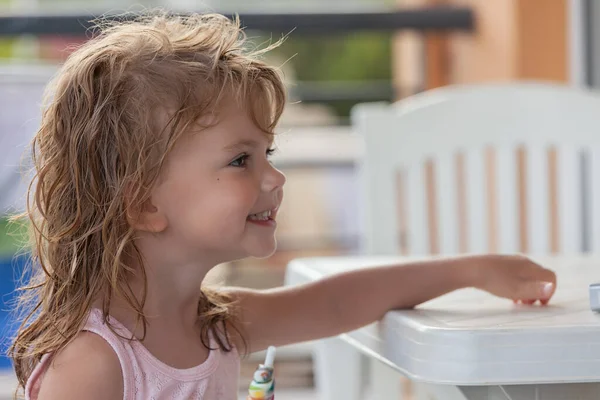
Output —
(240, 161)
(270, 151)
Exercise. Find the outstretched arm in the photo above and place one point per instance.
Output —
(349, 300)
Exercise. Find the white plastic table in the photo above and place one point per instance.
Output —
(471, 345)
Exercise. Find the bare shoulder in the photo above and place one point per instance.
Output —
(249, 306)
(236, 325)
(88, 368)
(236, 337)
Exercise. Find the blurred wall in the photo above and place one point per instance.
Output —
(513, 39)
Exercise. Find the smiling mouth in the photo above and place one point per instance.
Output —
(261, 216)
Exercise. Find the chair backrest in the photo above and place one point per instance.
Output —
(501, 168)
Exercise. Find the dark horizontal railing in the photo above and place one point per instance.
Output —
(430, 18)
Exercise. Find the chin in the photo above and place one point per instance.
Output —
(264, 252)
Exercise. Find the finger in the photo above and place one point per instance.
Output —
(549, 290)
(529, 302)
(546, 289)
(548, 276)
(535, 290)
(543, 274)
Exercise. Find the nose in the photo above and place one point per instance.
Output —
(273, 179)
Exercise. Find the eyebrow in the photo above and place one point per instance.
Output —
(242, 144)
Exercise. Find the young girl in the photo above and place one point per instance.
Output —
(152, 165)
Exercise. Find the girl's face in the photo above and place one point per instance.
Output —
(219, 192)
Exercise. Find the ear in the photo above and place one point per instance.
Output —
(147, 218)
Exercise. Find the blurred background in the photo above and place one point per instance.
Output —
(338, 53)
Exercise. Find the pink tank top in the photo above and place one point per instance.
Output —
(147, 378)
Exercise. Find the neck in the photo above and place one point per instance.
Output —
(171, 288)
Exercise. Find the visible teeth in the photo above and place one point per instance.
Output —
(263, 216)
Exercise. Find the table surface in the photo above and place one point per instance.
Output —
(470, 337)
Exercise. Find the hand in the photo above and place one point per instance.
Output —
(515, 277)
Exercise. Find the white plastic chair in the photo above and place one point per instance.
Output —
(485, 168)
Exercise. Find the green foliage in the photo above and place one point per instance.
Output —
(6, 46)
(12, 237)
(358, 56)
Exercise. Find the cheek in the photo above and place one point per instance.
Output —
(225, 201)
(218, 200)
(185, 199)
